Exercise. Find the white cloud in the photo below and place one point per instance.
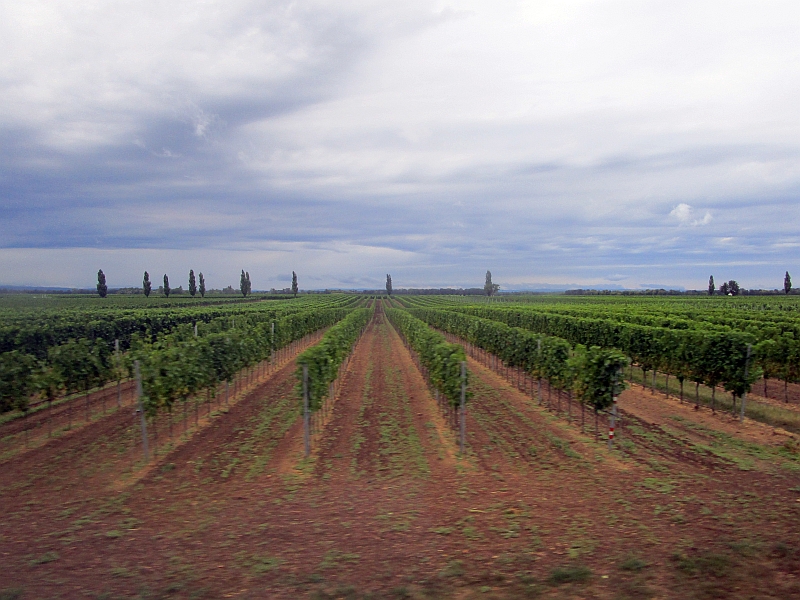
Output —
(549, 137)
(686, 215)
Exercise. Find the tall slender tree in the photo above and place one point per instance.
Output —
(166, 285)
(102, 288)
(247, 280)
(146, 285)
(711, 287)
(489, 287)
(388, 284)
(243, 284)
(787, 283)
(202, 289)
(192, 283)
(294, 284)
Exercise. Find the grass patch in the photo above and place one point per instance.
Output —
(562, 445)
(258, 564)
(45, 558)
(708, 564)
(335, 558)
(658, 485)
(122, 572)
(455, 568)
(571, 574)
(441, 530)
(633, 563)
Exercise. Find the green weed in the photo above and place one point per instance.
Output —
(571, 574)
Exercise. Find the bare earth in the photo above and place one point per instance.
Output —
(687, 504)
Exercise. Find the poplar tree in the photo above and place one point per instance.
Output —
(489, 287)
(146, 285)
(787, 283)
(192, 283)
(166, 285)
(247, 280)
(711, 288)
(294, 284)
(202, 286)
(102, 288)
(388, 284)
(243, 284)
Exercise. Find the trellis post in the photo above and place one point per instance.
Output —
(463, 404)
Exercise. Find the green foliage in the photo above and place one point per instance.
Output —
(47, 381)
(711, 356)
(166, 285)
(244, 284)
(711, 287)
(571, 574)
(543, 356)
(178, 365)
(787, 283)
(441, 359)
(202, 288)
(489, 287)
(295, 287)
(69, 352)
(598, 376)
(192, 283)
(16, 382)
(388, 284)
(323, 360)
(102, 288)
(81, 364)
(146, 285)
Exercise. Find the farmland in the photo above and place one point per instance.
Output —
(689, 501)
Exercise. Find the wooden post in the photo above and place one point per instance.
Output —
(140, 409)
(746, 369)
(613, 419)
(306, 432)
(463, 404)
(119, 388)
(539, 350)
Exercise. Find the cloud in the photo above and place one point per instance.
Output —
(544, 141)
(686, 215)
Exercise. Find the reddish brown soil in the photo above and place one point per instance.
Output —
(385, 506)
(64, 417)
(778, 390)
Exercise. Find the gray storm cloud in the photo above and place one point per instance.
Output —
(544, 141)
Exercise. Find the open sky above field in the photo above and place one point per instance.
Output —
(572, 142)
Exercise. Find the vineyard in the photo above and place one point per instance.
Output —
(346, 446)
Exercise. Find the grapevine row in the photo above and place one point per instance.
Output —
(709, 357)
(593, 373)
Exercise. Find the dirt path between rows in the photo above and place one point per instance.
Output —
(386, 508)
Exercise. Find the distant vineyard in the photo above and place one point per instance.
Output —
(79, 349)
(703, 341)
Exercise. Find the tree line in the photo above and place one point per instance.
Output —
(196, 285)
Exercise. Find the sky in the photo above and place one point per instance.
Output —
(556, 143)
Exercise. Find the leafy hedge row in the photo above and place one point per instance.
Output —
(593, 373)
(323, 359)
(34, 333)
(179, 365)
(709, 357)
(172, 363)
(441, 358)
